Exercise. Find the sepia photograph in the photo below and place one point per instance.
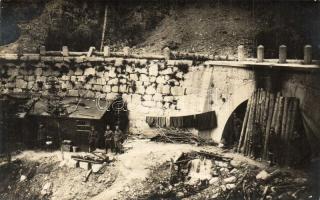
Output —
(159, 99)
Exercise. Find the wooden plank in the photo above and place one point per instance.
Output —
(244, 125)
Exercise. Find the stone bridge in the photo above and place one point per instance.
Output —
(172, 84)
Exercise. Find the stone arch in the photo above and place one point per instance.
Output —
(238, 95)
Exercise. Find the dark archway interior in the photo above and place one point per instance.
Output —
(232, 129)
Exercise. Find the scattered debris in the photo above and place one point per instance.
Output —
(23, 178)
(171, 135)
(87, 175)
(46, 189)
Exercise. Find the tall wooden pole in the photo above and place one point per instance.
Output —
(0, 22)
(104, 26)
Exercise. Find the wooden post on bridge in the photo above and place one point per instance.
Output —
(42, 50)
(307, 57)
(126, 51)
(241, 53)
(282, 54)
(65, 51)
(166, 53)
(260, 53)
(106, 51)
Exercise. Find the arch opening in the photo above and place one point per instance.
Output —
(232, 129)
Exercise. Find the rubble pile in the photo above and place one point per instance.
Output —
(204, 175)
(47, 178)
(175, 135)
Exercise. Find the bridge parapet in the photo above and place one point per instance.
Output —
(240, 61)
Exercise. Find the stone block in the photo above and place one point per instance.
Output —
(141, 70)
(84, 165)
(112, 73)
(179, 75)
(150, 104)
(17, 90)
(111, 96)
(70, 72)
(153, 70)
(157, 97)
(159, 105)
(81, 78)
(90, 94)
(97, 87)
(166, 71)
(113, 81)
(90, 71)
(30, 78)
(177, 91)
(38, 71)
(115, 88)
(123, 80)
(151, 90)
(73, 78)
(118, 62)
(129, 69)
(21, 84)
(101, 81)
(144, 78)
(160, 80)
(100, 74)
(136, 99)
(106, 88)
(73, 93)
(30, 85)
(147, 97)
(140, 90)
(134, 77)
(152, 79)
(14, 72)
(100, 95)
(123, 88)
(78, 72)
(165, 89)
(168, 98)
(65, 78)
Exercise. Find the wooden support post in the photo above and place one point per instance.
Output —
(282, 54)
(65, 51)
(104, 28)
(244, 126)
(106, 51)
(260, 53)
(307, 58)
(269, 120)
(241, 53)
(167, 53)
(42, 50)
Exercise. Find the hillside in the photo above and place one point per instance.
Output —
(216, 27)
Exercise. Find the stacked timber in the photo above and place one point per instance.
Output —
(270, 123)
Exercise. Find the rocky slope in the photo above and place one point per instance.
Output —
(216, 27)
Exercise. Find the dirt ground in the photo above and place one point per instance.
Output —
(142, 172)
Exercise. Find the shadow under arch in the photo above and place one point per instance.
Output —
(232, 129)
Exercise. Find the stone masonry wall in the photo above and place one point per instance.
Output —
(158, 87)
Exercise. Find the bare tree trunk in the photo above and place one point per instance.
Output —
(104, 26)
